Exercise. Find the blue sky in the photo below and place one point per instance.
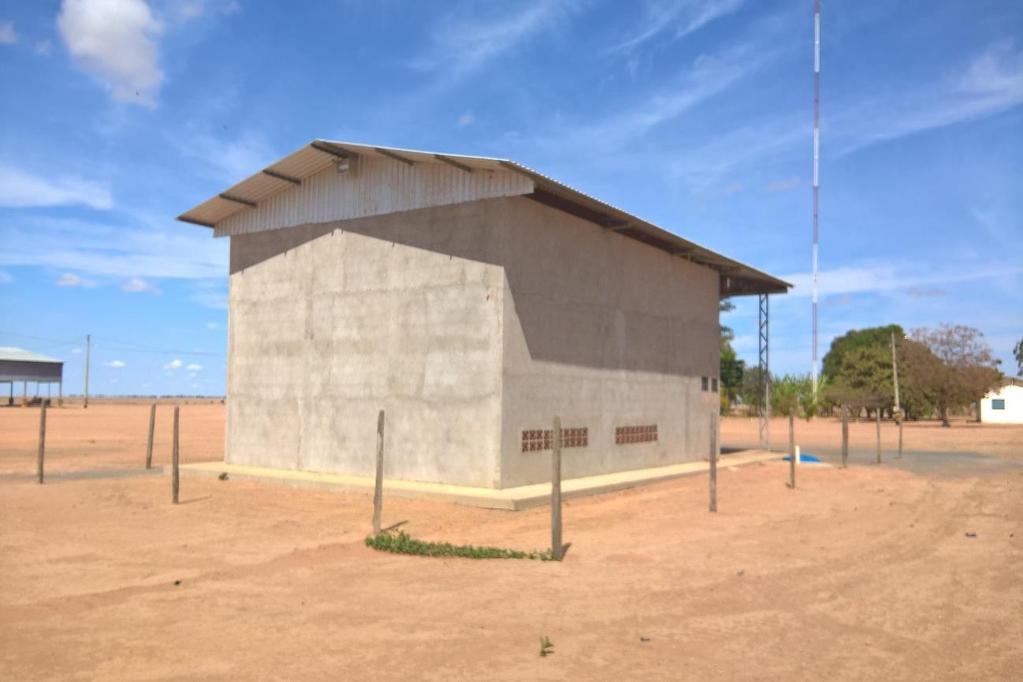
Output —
(696, 115)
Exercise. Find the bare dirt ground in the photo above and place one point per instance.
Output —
(862, 573)
(107, 436)
(1001, 440)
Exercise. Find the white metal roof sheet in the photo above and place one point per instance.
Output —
(10, 353)
(320, 154)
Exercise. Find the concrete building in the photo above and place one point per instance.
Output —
(18, 365)
(1003, 405)
(471, 298)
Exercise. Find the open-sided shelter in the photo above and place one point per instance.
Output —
(21, 366)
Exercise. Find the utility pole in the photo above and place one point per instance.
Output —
(898, 405)
(88, 346)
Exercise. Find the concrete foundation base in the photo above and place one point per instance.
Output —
(512, 499)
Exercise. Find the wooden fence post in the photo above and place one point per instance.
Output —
(175, 480)
(556, 544)
(42, 442)
(845, 436)
(149, 443)
(877, 421)
(792, 450)
(713, 464)
(378, 488)
(902, 418)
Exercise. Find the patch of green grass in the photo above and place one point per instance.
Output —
(402, 543)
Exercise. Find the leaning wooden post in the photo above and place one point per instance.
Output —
(793, 454)
(42, 442)
(845, 436)
(149, 443)
(898, 405)
(877, 421)
(556, 545)
(378, 489)
(713, 464)
(175, 480)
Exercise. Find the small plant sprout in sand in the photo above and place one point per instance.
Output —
(401, 542)
(546, 646)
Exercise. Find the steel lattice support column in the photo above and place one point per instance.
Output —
(765, 375)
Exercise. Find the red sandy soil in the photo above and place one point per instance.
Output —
(1002, 440)
(857, 574)
(108, 436)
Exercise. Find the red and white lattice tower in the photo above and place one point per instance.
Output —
(816, 175)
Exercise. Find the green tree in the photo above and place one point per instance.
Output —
(862, 378)
(811, 404)
(872, 337)
(751, 391)
(966, 369)
(918, 367)
(1017, 351)
(731, 372)
(785, 394)
(731, 367)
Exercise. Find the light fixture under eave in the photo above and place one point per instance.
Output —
(343, 164)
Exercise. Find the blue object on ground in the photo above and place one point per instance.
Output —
(803, 457)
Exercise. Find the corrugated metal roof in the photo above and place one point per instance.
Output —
(374, 186)
(736, 278)
(10, 353)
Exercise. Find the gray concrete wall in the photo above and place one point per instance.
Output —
(603, 331)
(468, 323)
(327, 326)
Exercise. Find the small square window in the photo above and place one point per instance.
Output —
(714, 384)
(998, 403)
(703, 383)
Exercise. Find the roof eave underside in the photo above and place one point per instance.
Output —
(737, 279)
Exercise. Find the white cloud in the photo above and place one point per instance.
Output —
(137, 285)
(190, 9)
(684, 16)
(731, 153)
(173, 364)
(70, 279)
(114, 40)
(114, 364)
(990, 83)
(158, 248)
(5, 277)
(462, 46)
(783, 185)
(210, 293)
(466, 119)
(193, 9)
(19, 189)
(893, 278)
(194, 367)
(228, 160)
(707, 76)
(8, 36)
(43, 48)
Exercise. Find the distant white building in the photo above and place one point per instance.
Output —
(1003, 405)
